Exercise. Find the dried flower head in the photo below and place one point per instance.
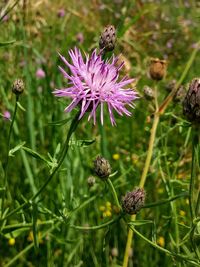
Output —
(108, 38)
(157, 69)
(133, 201)
(18, 87)
(148, 92)
(191, 103)
(95, 83)
(102, 167)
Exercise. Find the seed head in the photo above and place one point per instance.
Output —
(133, 201)
(191, 103)
(18, 87)
(108, 38)
(157, 68)
(102, 167)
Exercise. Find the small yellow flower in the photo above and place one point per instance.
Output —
(11, 241)
(116, 156)
(108, 213)
(161, 241)
(108, 204)
(30, 237)
(160, 190)
(182, 213)
(102, 208)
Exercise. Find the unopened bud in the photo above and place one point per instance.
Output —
(171, 85)
(157, 68)
(191, 103)
(108, 38)
(148, 92)
(18, 87)
(133, 201)
(91, 181)
(180, 94)
(102, 167)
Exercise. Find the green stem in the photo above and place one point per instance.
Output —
(97, 227)
(5, 183)
(195, 146)
(114, 193)
(73, 127)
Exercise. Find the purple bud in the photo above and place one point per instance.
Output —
(6, 115)
(61, 13)
(133, 201)
(108, 38)
(191, 103)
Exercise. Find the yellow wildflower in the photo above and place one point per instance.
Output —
(161, 241)
(116, 156)
(182, 213)
(11, 241)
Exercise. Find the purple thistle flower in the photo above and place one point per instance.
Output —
(94, 83)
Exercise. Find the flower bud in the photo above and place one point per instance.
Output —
(133, 201)
(157, 69)
(18, 87)
(91, 181)
(102, 167)
(108, 38)
(148, 92)
(180, 94)
(191, 103)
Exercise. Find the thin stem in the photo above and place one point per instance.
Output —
(7, 156)
(73, 127)
(114, 193)
(97, 227)
(143, 178)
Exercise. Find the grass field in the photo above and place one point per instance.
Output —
(54, 209)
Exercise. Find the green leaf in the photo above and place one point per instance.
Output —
(81, 143)
(16, 148)
(16, 233)
(6, 43)
(37, 155)
(35, 229)
(61, 122)
(140, 222)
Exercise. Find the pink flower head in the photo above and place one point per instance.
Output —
(80, 37)
(61, 13)
(94, 82)
(40, 74)
(6, 115)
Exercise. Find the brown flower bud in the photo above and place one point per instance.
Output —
(102, 167)
(108, 38)
(148, 92)
(18, 87)
(191, 103)
(133, 201)
(157, 69)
